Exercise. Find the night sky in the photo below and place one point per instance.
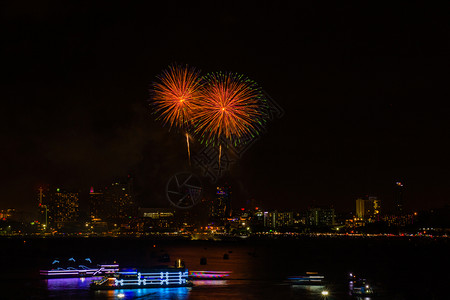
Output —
(364, 90)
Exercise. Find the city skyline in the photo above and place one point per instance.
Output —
(112, 211)
(364, 105)
(116, 202)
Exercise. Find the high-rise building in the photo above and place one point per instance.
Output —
(114, 203)
(300, 217)
(221, 206)
(258, 218)
(285, 219)
(368, 209)
(43, 210)
(399, 193)
(320, 217)
(156, 219)
(120, 196)
(98, 209)
(360, 208)
(276, 219)
(58, 207)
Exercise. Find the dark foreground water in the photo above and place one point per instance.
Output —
(398, 267)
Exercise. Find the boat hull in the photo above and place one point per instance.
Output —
(312, 279)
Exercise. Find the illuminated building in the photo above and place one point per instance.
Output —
(376, 208)
(6, 214)
(112, 204)
(258, 218)
(368, 209)
(284, 219)
(58, 207)
(43, 210)
(275, 219)
(156, 213)
(360, 208)
(120, 197)
(156, 219)
(400, 220)
(399, 191)
(269, 219)
(98, 211)
(97, 208)
(221, 206)
(320, 217)
(300, 218)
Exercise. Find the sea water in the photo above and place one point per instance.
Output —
(397, 267)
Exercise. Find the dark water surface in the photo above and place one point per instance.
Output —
(398, 267)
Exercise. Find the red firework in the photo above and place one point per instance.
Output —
(230, 106)
(174, 95)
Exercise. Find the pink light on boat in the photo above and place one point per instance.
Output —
(208, 274)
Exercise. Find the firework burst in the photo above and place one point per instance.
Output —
(173, 98)
(174, 94)
(231, 106)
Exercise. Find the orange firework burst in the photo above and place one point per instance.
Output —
(231, 106)
(174, 95)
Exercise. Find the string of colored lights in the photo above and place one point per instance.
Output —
(208, 274)
(83, 270)
(161, 278)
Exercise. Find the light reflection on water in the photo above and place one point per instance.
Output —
(178, 293)
(57, 287)
(209, 282)
(78, 288)
(310, 288)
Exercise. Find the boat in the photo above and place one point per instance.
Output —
(360, 287)
(310, 278)
(82, 268)
(138, 278)
(211, 275)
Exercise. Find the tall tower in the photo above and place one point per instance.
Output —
(43, 219)
(368, 209)
(98, 209)
(399, 194)
(60, 207)
(221, 206)
(120, 200)
(360, 208)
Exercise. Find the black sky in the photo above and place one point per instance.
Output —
(364, 89)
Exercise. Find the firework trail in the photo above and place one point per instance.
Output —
(220, 155)
(231, 106)
(173, 97)
(188, 148)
